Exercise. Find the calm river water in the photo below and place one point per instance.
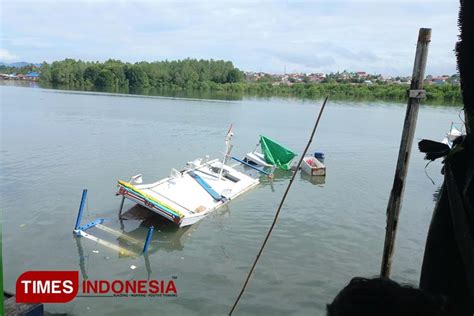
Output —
(55, 143)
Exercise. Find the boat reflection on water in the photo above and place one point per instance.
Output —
(131, 235)
(315, 180)
(82, 258)
(278, 176)
(284, 175)
(167, 235)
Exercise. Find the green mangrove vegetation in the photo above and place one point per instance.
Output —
(115, 74)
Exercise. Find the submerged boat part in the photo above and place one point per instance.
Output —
(273, 155)
(80, 231)
(257, 159)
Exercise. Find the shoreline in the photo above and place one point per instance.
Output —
(218, 95)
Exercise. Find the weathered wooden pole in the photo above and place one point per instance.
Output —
(396, 195)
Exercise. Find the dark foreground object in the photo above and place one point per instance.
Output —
(448, 263)
(12, 308)
(379, 296)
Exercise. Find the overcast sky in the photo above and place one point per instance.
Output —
(299, 36)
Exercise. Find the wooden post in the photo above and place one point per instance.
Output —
(396, 195)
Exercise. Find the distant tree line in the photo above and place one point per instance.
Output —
(207, 77)
(115, 74)
(5, 69)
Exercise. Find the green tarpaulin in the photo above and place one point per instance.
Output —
(276, 154)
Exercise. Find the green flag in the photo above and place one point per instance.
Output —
(276, 154)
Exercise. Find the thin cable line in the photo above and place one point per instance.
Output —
(278, 209)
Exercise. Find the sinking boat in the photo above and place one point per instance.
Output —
(273, 155)
(313, 167)
(257, 158)
(187, 196)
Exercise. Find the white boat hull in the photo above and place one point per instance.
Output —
(185, 200)
(257, 159)
(313, 167)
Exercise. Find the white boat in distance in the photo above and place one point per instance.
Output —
(456, 130)
(313, 166)
(187, 196)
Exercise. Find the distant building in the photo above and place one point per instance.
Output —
(32, 75)
(9, 76)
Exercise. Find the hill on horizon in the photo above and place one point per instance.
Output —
(19, 64)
